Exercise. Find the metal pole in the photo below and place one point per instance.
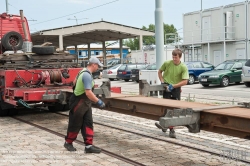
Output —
(192, 57)
(247, 40)
(7, 6)
(208, 53)
(121, 49)
(24, 26)
(76, 20)
(201, 5)
(159, 33)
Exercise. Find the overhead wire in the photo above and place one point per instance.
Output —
(77, 12)
(17, 8)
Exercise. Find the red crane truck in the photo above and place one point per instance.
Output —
(38, 79)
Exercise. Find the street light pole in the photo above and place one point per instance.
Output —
(7, 6)
(201, 5)
(76, 20)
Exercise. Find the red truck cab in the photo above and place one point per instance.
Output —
(12, 32)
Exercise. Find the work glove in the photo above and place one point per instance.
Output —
(169, 88)
(100, 104)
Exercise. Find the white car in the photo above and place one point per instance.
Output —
(245, 76)
(111, 73)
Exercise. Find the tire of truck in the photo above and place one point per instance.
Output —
(66, 107)
(43, 50)
(59, 107)
(12, 38)
(13, 112)
(56, 107)
(3, 112)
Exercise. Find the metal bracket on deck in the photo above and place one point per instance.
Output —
(51, 95)
(182, 117)
(103, 90)
(150, 90)
(189, 117)
(245, 104)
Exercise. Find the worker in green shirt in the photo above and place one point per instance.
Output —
(175, 76)
(80, 104)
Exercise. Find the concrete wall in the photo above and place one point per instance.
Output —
(192, 27)
(150, 56)
(216, 25)
(231, 51)
(239, 17)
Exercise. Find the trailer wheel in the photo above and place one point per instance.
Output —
(66, 107)
(43, 50)
(11, 39)
(13, 112)
(4, 112)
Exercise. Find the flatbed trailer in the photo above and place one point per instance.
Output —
(224, 119)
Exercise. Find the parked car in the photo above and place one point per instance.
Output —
(197, 68)
(111, 73)
(245, 76)
(223, 74)
(113, 62)
(124, 71)
(135, 72)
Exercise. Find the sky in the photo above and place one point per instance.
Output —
(48, 14)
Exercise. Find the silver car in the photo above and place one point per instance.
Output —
(111, 73)
(245, 76)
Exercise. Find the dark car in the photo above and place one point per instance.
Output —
(124, 71)
(197, 68)
(227, 72)
(135, 72)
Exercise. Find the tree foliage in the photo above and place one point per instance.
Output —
(149, 40)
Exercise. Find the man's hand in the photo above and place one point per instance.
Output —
(169, 88)
(100, 104)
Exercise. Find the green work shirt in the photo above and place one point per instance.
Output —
(86, 79)
(173, 74)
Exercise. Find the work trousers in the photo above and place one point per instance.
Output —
(80, 118)
(175, 94)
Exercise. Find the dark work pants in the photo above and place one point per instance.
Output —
(80, 118)
(175, 94)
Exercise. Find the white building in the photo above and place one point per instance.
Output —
(217, 34)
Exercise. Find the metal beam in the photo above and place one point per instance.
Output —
(226, 124)
(230, 120)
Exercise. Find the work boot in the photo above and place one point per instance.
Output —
(92, 149)
(172, 133)
(160, 127)
(69, 147)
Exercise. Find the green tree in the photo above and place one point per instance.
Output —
(133, 44)
(148, 40)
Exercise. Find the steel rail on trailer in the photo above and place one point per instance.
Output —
(227, 119)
